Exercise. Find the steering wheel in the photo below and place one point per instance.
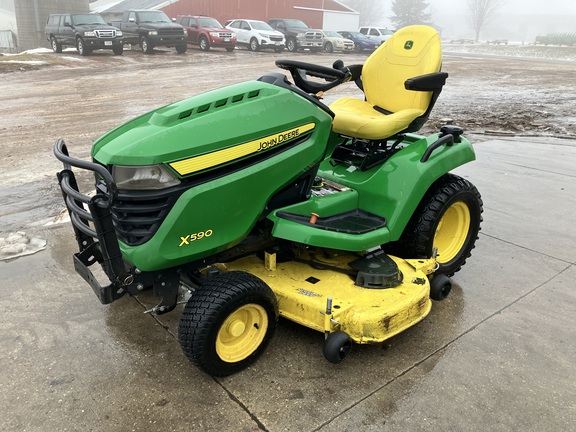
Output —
(299, 71)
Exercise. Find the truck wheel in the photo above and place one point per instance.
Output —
(447, 218)
(357, 48)
(254, 44)
(228, 322)
(83, 50)
(328, 47)
(145, 45)
(56, 47)
(118, 50)
(181, 49)
(204, 45)
(291, 45)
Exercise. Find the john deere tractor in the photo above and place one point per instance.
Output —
(261, 201)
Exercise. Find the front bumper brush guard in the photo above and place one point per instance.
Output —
(98, 243)
(97, 240)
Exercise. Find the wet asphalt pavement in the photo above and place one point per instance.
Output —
(498, 354)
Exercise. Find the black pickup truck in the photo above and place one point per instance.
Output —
(86, 32)
(298, 34)
(151, 28)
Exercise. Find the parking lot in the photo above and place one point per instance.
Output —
(496, 355)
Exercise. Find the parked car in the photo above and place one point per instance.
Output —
(151, 28)
(333, 41)
(361, 42)
(86, 32)
(256, 35)
(207, 32)
(298, 35)
(379, 34)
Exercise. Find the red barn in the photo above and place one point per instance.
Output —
(323, 14)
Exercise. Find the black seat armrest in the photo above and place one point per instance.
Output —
(428, 82)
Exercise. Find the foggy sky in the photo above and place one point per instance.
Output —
(528, 7)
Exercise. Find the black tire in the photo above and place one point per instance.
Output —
(440, 287)
(83, 50)
(56, 47)
(357, 48)
(254, 46)
(230, 49)
(181, 49)
(328, 47)
(448, 217)
(228, 322)
(204, 45)
(337, 346)
(291, 45)
(146, 45)
(118, 50)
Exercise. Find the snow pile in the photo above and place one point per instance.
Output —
(19, 244)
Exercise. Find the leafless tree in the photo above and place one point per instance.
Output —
(481, 12)
(371, 11)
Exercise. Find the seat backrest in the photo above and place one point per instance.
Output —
(410, 52)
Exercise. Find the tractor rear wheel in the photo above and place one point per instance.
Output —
(228, 322)
(448, 218)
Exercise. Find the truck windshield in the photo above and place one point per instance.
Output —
(209, 22)
(87, 19)
(153, 16)
(293, 23)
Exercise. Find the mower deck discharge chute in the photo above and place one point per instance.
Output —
(264, 202)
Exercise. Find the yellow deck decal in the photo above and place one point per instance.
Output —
(209, 160)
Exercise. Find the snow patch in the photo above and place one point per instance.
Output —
(19, 244)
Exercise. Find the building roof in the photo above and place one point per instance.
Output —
(117, 6)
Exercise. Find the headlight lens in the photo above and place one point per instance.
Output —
(118, 32)
(264, 35)
(149, 177)
(300, 35)
(152, 32)
(215, 34)
(89, 34)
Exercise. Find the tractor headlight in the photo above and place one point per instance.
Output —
(149, 177)
(89, 34)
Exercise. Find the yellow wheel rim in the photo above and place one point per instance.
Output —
(241, 333)
(452, 231)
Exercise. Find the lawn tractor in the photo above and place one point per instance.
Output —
(262, 201)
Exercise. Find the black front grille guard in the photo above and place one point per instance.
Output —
(97, 240)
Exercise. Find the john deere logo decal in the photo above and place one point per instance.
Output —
(408, 45)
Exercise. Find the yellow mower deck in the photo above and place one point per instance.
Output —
(367, 315)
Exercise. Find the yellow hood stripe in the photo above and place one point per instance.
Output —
(209, 160)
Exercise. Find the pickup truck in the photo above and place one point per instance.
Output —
(298, 34)
(150, 28)
(86, 32)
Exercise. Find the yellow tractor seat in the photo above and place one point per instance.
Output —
(401, 81)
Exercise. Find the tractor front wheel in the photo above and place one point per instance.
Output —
(228, 322)
(447, 219)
